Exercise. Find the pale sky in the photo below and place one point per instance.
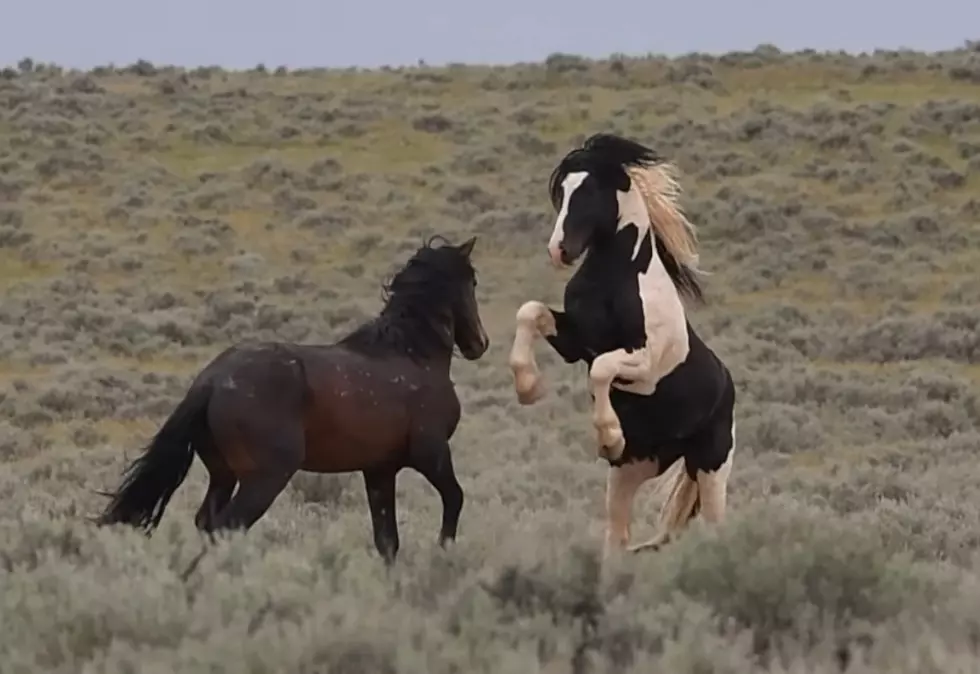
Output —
(310, 33)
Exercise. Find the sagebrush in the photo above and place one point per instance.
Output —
(150, 216)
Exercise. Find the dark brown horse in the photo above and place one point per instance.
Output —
(379, 400)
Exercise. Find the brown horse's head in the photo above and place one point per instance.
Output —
(468, 331)
(430, 307)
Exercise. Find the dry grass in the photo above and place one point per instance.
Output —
(149, 217)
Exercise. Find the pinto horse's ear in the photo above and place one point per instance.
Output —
(467, 246)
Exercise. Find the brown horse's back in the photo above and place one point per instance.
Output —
(352, 412)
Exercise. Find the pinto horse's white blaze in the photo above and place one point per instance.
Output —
(571, 183)
(534, 320)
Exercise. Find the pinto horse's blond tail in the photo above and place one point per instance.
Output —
(681, 504)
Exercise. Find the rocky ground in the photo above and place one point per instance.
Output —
(150, 216)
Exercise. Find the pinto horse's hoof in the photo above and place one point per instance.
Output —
(651, 545)
(611, 443)
(528, 394)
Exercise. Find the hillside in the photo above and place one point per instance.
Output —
(149, 217)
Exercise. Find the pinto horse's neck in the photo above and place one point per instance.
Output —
(631, 251)
(619, 285)
(633, 214)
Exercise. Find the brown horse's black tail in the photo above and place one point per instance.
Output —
(151, 480)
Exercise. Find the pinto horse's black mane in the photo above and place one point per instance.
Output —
(606, 154)
(601, 152)
(416, 319)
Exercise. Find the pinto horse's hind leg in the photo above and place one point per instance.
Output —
(681, 504)
(622, 483)
(713, 484)
(380, 487)
(432, 458)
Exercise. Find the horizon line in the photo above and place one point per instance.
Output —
(765, 47)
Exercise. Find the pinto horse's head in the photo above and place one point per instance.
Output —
(591, 191)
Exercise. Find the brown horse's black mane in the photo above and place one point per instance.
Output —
(416, 320)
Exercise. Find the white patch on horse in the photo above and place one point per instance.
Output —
(632, 211)
(665, 325)
(571, 183)
(713, 487)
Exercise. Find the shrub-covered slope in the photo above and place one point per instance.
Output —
(151, 216)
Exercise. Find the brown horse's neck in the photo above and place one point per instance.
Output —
(424, 335)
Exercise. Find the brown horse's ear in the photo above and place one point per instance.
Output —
(467, 246)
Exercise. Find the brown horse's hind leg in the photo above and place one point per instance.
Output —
(221, 484)
(380, 487)
(275, 456)
(256, 493)
(433, 459)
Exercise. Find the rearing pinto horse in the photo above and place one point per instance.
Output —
(379, 400)
(660, 394)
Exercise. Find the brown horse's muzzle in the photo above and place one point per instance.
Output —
(474, 349)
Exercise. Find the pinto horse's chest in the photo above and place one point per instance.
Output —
(608, 312)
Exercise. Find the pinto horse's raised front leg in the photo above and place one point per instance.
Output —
(534, 320)
(636, 366)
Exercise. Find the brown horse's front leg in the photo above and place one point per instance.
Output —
(380, 487)
(432, 458)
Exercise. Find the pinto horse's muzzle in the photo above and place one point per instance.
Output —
(563, 254)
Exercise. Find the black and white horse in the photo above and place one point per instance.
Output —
(663, 401)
